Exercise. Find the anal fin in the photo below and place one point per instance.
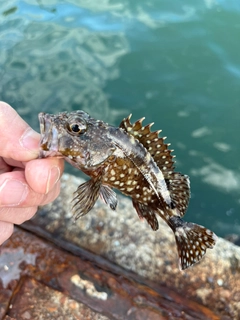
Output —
(108, 196)
(85, 197)
(146, 213)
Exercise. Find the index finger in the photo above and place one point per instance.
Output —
(18, 140)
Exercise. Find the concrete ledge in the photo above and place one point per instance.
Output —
(123, 239)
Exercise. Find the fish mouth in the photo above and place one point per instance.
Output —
(49, 136)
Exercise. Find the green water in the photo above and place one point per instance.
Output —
(175, 62)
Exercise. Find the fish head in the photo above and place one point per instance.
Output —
(75, 136)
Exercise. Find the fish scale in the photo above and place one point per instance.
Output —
(129, 181)
(132, 159)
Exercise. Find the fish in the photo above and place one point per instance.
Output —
(134, 160)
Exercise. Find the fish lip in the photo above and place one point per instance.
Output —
(49, 136)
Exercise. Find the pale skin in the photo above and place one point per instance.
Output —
(26, 182)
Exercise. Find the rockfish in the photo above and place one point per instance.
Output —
(132, 159)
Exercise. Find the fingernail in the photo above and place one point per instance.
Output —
(30, 140)
(53, 178)
(12, 193)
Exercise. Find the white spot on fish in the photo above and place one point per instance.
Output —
(132, 140)
(148, 157)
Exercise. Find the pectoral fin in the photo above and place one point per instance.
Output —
(85, 197)
(146, 213)
(108, 196)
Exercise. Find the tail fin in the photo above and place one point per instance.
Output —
(192, 241)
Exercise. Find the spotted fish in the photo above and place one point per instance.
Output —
(134, 160)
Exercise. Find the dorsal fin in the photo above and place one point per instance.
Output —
(152, 142)
(179, 187)
(177, 184)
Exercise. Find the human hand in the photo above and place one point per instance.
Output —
(25, 181)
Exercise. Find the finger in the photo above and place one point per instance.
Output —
(17, 215)
(18, 141)
(15, 192)
(4, 167)
(43, 174)
(6, 230)
(14, 163)
(51, 195)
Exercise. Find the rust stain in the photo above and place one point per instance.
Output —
(69, 280)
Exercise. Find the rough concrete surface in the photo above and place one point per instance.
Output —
(37, 301)
(122, 238)
(39, 280)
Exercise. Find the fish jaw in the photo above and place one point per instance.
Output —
(57, 140)
(49, 137)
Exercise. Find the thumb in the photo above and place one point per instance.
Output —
(18, 141)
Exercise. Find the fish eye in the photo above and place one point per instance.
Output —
(77, 127)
